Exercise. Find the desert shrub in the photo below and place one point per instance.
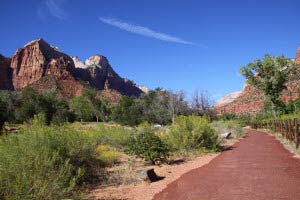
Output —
(114, 135)
(232, 126)
(191, 133)
(107, 155)
(45, 162)
(148, 146)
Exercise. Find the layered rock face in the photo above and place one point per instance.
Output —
(31, 62)
(97, 71)
(251, 99)
(46, 68)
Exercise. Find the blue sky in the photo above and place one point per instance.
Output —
(173, 44)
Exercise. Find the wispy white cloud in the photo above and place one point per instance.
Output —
(141, 30)
(55, 9)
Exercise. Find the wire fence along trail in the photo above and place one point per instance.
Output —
(288, 128)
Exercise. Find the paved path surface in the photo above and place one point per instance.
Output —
(257, 167)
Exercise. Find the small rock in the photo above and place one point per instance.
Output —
(225, 135)
(147, 175)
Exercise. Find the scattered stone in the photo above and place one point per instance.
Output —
(225, 135)
(147, 175)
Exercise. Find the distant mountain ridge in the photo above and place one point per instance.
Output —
(45, 67)
(251, 99)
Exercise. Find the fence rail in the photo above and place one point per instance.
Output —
(288, 128)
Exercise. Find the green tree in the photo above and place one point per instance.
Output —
(12, 100)
(293, 107)
(29, 105)
(269, 74)
(101, 107)
(155, 107)
(82, 107)
(127, 112)
(3, 112)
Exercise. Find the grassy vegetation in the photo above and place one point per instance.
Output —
(45, 162)
(51, 162)
(191, 133)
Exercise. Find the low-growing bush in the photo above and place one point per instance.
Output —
(191, 133)
(148, 146)
(107, 155)
(45, 162)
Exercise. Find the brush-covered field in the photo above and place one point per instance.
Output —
(57, 162)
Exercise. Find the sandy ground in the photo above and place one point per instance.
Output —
(145, 190)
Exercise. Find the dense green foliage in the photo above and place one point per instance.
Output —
(126, 112)
(22, 106)
(50, 162)
(148, 146)
(44, 162)
(3, 116)
(156, 107)
(270, 75)
(191, 133)
(82, 107)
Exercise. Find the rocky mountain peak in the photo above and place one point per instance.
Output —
(45, 67)
(78, 63)
(30, 63)
(97, 60)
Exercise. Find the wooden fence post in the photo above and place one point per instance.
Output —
(289, 129)
(296, 132)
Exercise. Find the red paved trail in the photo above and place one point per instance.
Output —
(258, 167)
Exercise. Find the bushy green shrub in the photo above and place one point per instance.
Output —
(148, 146)
(191, 133)
(43, 162)
(107, 155)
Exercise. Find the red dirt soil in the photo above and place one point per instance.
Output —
(257, 167)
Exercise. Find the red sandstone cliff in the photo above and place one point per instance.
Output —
(251, 99)
(44, 67)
